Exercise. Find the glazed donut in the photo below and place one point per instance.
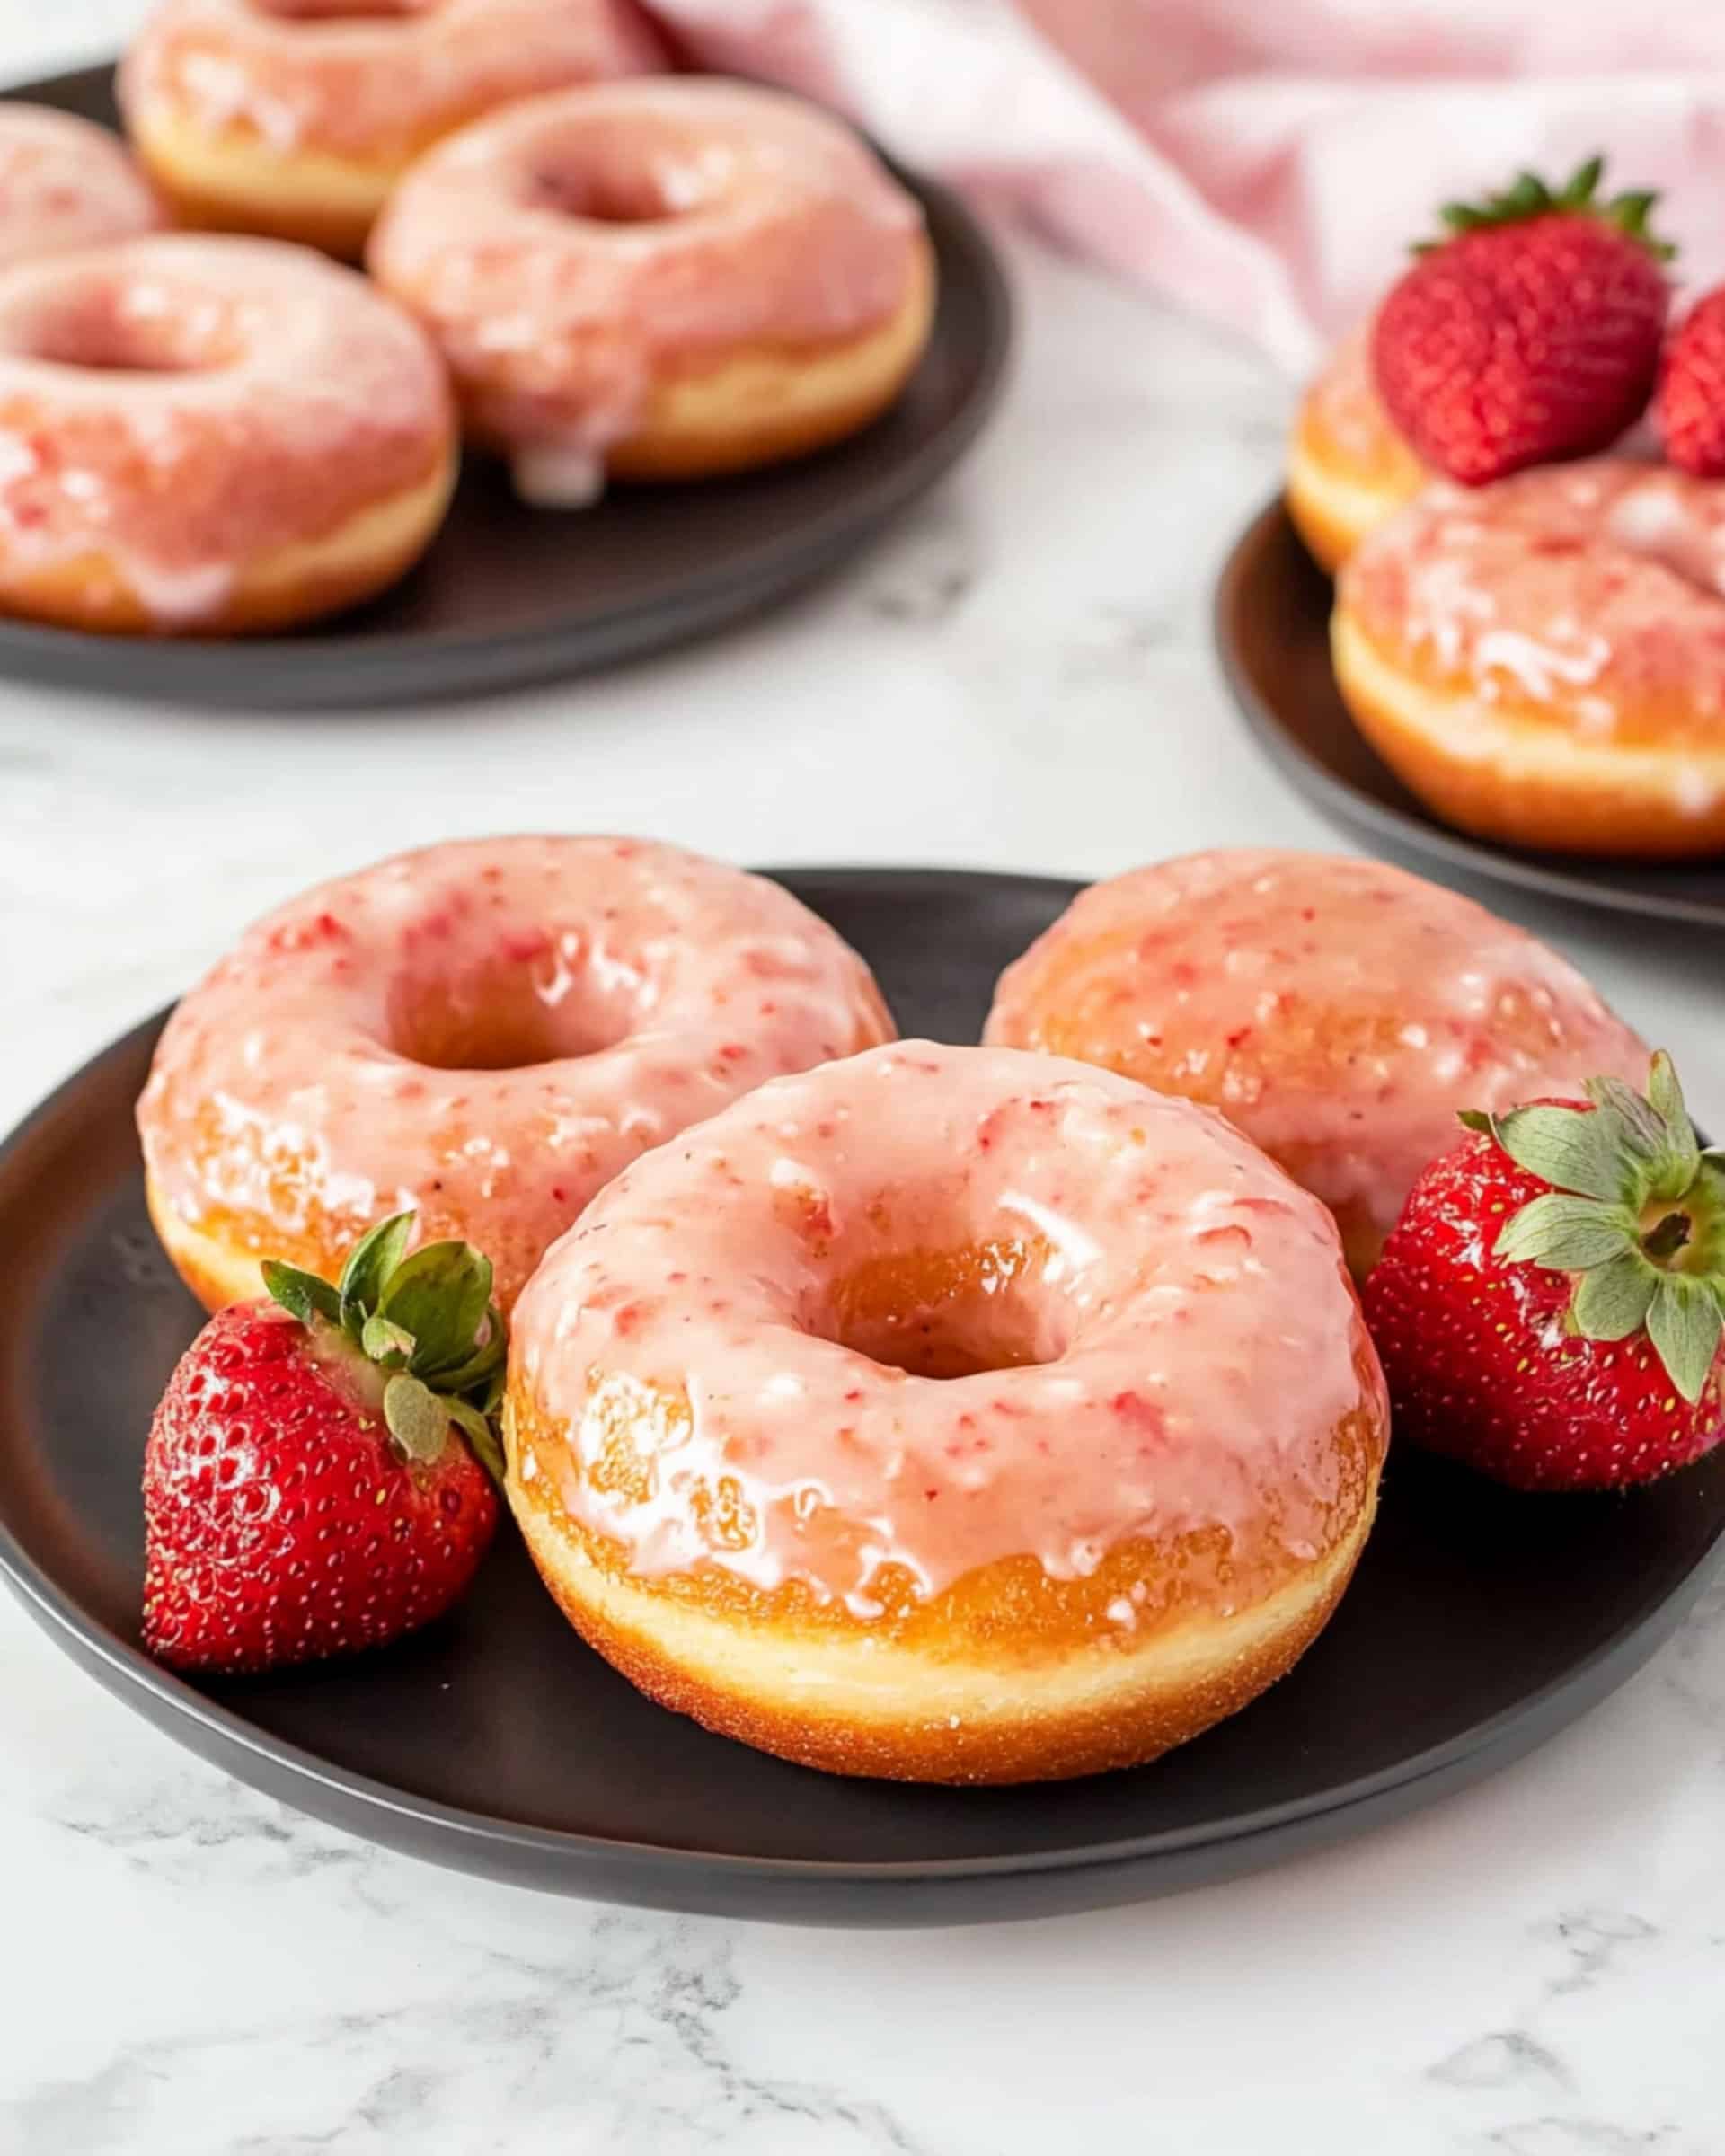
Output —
(948, 1415)
(295, 118)
(210, 435)
(661, 280)
(1349, 466)
(66, 182)
(1543, 661)
(485, 1032)
(1338, 1010)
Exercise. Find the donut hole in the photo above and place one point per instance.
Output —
(101, 330)
(343, 11)
(945, 1313)
(526, 1006)
(610, 176)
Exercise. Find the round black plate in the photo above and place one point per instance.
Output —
(1479, 1622)
(508, 594)
(1272, 632)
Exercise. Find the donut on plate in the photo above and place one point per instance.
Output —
(485, 1032)
(1349, 467)
(948, 1415)
(211, 436)
(660, 279)
(297, 117)
(1542, 660)
(66, 182)
(1338, 1010)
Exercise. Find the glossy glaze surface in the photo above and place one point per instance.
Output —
(487, 1030)
(1343, 420)
(575, 253)
(65, 183)
(889, 1322)
(376, 82)
(1338, 1010)
(1592, 594)
(183, 406)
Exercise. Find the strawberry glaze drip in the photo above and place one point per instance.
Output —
(185, 405)
(572, 252)
(65, 183)
(374, 85)
(1187, 1342)
(341, 1063)
(1338, 1010)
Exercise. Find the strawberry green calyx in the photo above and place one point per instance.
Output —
(426, 1323)
(1636, 1213)
(1530, 197)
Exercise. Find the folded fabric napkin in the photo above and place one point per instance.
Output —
(1265, 165)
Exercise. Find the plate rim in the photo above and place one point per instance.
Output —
(569, 1860)
(1357, 809)
(787, 561)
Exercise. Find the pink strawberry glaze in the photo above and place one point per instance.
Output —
(1338, 1010)
(185, 405)
(1196, 1342)
(633, 988)
(375, 82)
(65, 183)
(1591, 593)
(1342, 404)
(568, 253)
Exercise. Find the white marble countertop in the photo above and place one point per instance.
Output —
(1021, 678)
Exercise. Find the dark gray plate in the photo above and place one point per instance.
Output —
(508, 594)
(1480, 1622)
(1272, 632)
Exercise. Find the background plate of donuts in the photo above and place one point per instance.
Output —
(1520, 667)
(637, 355)
(1273, 605)
(1047, 1237)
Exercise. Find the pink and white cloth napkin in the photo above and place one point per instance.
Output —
(1265, 163)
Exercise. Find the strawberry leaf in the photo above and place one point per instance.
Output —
(1665, 1092)
(418, 1421)
(302, 1294)
(440, 1295)
(1463, 217)
(485, 1359)
(1526, 198)
(370, 1262)
(1566, 1234)
(1680, 1163)
(386, 1343)
(1644, 1128)
(1684, 1324)
(488, 1448)
(1581, 1150)
(1529, 196)
(1579, 191)
(1612, 1300)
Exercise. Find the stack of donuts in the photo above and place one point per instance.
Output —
(579, 263)
(945, 1413)
(1533, 639)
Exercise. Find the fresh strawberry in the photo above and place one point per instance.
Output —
(1690, 403)
(306, 1487)
(1548, 1307)
(1530, 334)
